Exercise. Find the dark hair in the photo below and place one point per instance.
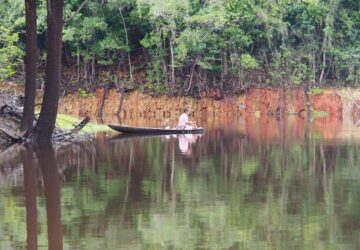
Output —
(186, 109)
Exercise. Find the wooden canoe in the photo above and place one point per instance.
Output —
(155, 131)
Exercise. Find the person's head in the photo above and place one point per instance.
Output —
(187, 110)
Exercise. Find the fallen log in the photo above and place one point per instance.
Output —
(81, 125)
(69, 135)
(11, 135)
(58, 136)
(11, 106)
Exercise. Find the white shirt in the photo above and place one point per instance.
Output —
(183, 120)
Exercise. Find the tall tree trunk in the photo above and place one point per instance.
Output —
(313, 63)
(127, 45)
(282, 100)
(85, 75)
(172, 59)
(323, 48)
(93, 69)
(165, 70)
(78, 65)
(225, 63)
(30, 61)
(46, 123)
(165, 73)
(191, 75)
(328, 30)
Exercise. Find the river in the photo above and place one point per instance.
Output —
(241, 185)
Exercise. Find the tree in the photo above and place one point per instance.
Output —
(30, 71)
(10, 53)
(166, 17)
(46, 124)
(195, 45)
(121, 5)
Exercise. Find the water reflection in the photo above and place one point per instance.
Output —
(277, 186)
(46, 157)
(186, 141)
(51, 187)
(30, 186)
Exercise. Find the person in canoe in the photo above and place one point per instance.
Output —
(184, 122)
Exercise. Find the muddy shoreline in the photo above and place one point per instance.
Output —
(328, 106)
(256, 102)
(335, 112)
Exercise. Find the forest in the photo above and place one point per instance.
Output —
(190, 46)
(275, 171)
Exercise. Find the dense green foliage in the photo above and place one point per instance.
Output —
(11, 25)
(194, 45)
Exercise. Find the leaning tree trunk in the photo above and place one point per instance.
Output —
(46, 123)
(30, 70)
(122, 94)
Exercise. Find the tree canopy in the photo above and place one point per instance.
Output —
(191, 46)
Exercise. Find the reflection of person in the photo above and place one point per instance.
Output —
(184, 122)
(185, 141)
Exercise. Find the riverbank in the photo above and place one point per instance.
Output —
(339, 102)
(256, 102)
(334, 111)
(328, 106)
(67, 128)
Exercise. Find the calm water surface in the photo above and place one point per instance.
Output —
(231, 188)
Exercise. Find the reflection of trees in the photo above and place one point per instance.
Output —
(233, 192)
(269, 193)
(16, 232)
(47, 163)
(27, 156)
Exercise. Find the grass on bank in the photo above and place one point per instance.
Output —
(319, 114)
(68, 122)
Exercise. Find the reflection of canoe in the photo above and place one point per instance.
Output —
(159, 131)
